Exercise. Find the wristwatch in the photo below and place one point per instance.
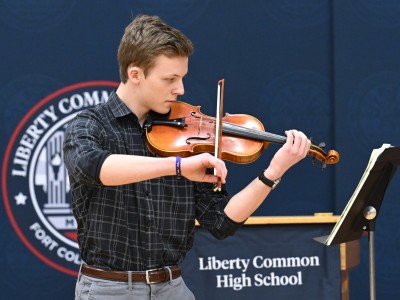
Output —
(268, 182)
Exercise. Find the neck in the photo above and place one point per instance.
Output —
(128, 95)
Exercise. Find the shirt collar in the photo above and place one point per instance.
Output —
(118, 108)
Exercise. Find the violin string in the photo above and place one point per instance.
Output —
(244, 131)
(247, 132)
(252, 133)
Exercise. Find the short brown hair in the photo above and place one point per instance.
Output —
(147, 37)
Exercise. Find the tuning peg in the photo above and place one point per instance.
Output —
(323, 166)
(322, 145)
(313, 160)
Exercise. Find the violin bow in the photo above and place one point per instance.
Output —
(218, 128)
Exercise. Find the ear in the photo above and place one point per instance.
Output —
(135, 74)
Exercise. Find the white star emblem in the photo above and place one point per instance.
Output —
(20, 199)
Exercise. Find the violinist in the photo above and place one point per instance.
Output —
(136, 211)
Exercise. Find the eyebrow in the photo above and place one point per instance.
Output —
(175, 75)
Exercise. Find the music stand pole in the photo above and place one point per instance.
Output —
(370, 214)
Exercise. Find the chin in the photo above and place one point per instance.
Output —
(163, 111)
(163, 107)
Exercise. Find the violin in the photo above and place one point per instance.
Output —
(187, 132)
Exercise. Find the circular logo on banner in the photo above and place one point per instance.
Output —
(35, 183)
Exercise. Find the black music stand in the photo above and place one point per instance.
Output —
(361, 211)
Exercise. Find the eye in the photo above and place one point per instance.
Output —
(171, 79)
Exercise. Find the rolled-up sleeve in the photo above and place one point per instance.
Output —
(210, 211)
(83, 155)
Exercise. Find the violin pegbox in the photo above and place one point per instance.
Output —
(318, 153)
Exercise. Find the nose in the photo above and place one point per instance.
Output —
(179, 89)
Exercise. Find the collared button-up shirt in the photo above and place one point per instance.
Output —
(138, 226)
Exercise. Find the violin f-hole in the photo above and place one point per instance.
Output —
(197, 138)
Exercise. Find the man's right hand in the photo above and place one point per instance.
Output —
(194, 168)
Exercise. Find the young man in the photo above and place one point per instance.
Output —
(135, 216)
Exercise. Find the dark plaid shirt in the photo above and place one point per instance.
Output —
(137, 226)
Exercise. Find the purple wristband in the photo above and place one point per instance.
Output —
(178, 167)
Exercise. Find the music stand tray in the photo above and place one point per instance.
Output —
(361, 211)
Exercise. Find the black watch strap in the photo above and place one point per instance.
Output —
(268, 182)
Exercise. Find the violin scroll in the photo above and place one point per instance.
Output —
(330, 158)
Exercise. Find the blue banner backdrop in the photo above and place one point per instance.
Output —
(327, 67)
(265, 262)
